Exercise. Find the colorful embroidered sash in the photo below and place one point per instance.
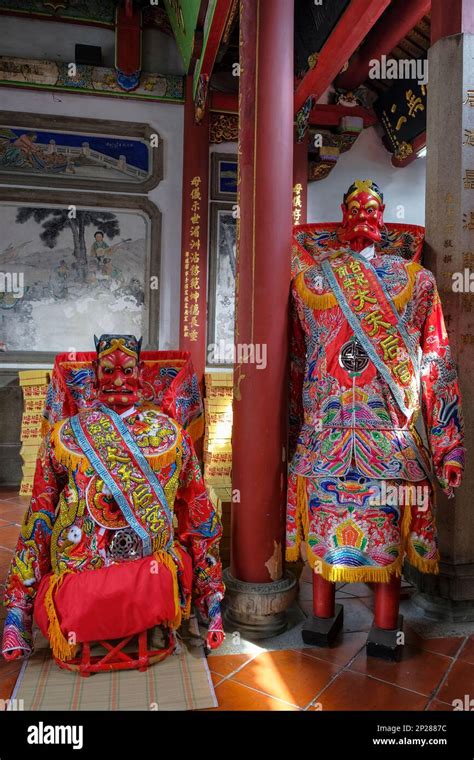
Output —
(114, 455)
(374, 319)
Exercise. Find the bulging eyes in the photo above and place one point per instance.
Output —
(107, 370)
(128, 371)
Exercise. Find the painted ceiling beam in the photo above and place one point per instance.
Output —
(212, 40)
(355, 23)
(322, 115)
(398, 21)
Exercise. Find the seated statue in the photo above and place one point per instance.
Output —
(120, 535)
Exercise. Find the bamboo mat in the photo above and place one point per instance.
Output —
(180, 682)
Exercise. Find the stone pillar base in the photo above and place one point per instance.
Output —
(448, 596)
(258, 610)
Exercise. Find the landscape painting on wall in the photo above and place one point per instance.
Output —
(222, 282)
(77, 271)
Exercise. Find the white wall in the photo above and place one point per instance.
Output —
(167, 120)
(369, 159)
(55, 41)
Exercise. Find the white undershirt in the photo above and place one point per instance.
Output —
(369, 252)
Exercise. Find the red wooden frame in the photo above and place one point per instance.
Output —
(115, 658)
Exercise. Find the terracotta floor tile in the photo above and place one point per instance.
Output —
(9, 535)
(225, 664)
(418, 670)
(234, 696)
(467, 652)
(288, 675)
(437, 705)
(447, 645)
(356, 616)
(5, 560)
(345, 649)
(8, 493)
(355, 691)
(8, 674)
(11, 512)
(459, 682)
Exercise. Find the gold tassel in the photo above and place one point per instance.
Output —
(405, 295)
(292, 553)
(415, 559)
(167, 560)
(328, 300)
(355, 574)
(319, 302)
(187, 608)
(62, 649)
(67, 458)
(45, 427)
(196, 428)
(158, 461)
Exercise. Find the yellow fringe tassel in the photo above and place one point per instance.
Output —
(196, 428)
(45, 427)
(415, 559)
(62, 649)
(73, 460)
(67, 458)
(167, 560)
(355, 574)
(292, 553)
(329, 300)
(158, 461)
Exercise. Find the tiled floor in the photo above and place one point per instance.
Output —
(433, 671)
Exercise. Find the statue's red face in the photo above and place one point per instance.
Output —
(362, 220)
(118, 380)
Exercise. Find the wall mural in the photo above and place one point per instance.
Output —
(72, 272)
(50, 75)
(41, 153)
(101, 12)
(58, 151)
(222, 283)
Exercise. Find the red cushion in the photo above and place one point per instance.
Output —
(114, 602)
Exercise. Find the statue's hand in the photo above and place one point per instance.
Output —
(17, 634)
(215, 635)
(451, 478)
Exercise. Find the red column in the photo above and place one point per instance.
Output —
(265, 197)
(193, 325)
(300, 181)
(454, 17)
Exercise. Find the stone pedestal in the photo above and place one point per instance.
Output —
(450, 242)
(257, 610)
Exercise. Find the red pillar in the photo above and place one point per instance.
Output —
(300, 181)
(454, 17)
(194, 234)
(259, 435)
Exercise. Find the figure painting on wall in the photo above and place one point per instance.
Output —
(88, 156)
(74, 261)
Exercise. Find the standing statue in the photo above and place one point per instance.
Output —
(120, 535)
(369, 353)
